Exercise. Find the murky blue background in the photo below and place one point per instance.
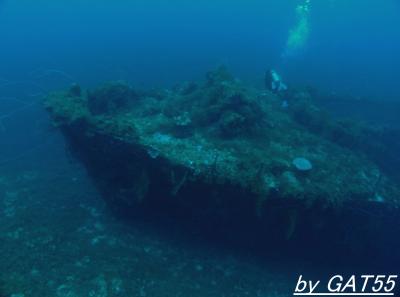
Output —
(353, 45)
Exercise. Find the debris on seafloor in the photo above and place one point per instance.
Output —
(221, 149)
(302, 164)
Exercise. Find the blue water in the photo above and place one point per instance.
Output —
(352, 50)
(158, 42)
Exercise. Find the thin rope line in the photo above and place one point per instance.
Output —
(16, 83)
(48, 72)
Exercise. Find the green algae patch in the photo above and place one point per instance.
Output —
(220, 147)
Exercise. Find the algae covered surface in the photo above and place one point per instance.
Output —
(223, 132)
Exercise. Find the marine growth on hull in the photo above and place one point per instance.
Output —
(219, 149)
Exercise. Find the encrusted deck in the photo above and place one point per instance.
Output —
(219, 147)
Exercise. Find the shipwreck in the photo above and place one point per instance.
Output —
(222, 153)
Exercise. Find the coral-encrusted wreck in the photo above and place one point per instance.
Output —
(225, 152)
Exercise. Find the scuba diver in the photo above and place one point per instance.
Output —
(273, 82)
